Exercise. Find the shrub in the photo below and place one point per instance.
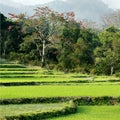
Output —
(103, 100)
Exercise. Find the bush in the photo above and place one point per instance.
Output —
(117, 74)
(103, 100)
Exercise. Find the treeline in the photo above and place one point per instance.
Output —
(56, 41)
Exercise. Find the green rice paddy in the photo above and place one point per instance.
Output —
(94, 113)
(56, 84)
(14, 110)
(59, 90)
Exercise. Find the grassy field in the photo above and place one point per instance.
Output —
(53, 78)
(50, 91)
(57, 84)
(16, 73)
(13, 110)
(94, 113)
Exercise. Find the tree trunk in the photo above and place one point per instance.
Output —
(4, 53)
(112, 70)
(43, 55)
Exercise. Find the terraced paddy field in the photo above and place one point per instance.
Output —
(94, 113)
(59, 90)
(20, 85)
(14, 110)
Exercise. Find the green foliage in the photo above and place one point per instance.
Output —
(59, 42)
(103, 100)
(108, 53)
(11, 37)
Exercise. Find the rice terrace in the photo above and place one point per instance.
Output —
(36, 93)
(59, 60)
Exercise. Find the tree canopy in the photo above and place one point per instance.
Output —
(56, 40)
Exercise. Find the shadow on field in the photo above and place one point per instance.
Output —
(79, 76)
(82, 110)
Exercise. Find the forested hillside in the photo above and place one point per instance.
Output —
(56, 41)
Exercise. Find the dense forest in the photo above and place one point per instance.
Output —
(57, 41)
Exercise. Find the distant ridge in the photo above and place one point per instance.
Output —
(91, 10)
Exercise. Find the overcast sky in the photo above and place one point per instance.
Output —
(115, 4)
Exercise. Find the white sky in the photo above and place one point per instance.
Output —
(115, 4)
(32, 2)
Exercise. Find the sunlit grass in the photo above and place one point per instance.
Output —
(13, 110)
(93, 113)
(58, 90)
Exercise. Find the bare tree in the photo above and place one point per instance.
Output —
(112, 19)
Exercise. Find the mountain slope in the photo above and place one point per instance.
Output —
(92, 10)
(83, 9)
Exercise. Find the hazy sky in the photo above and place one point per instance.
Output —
(115, 4)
